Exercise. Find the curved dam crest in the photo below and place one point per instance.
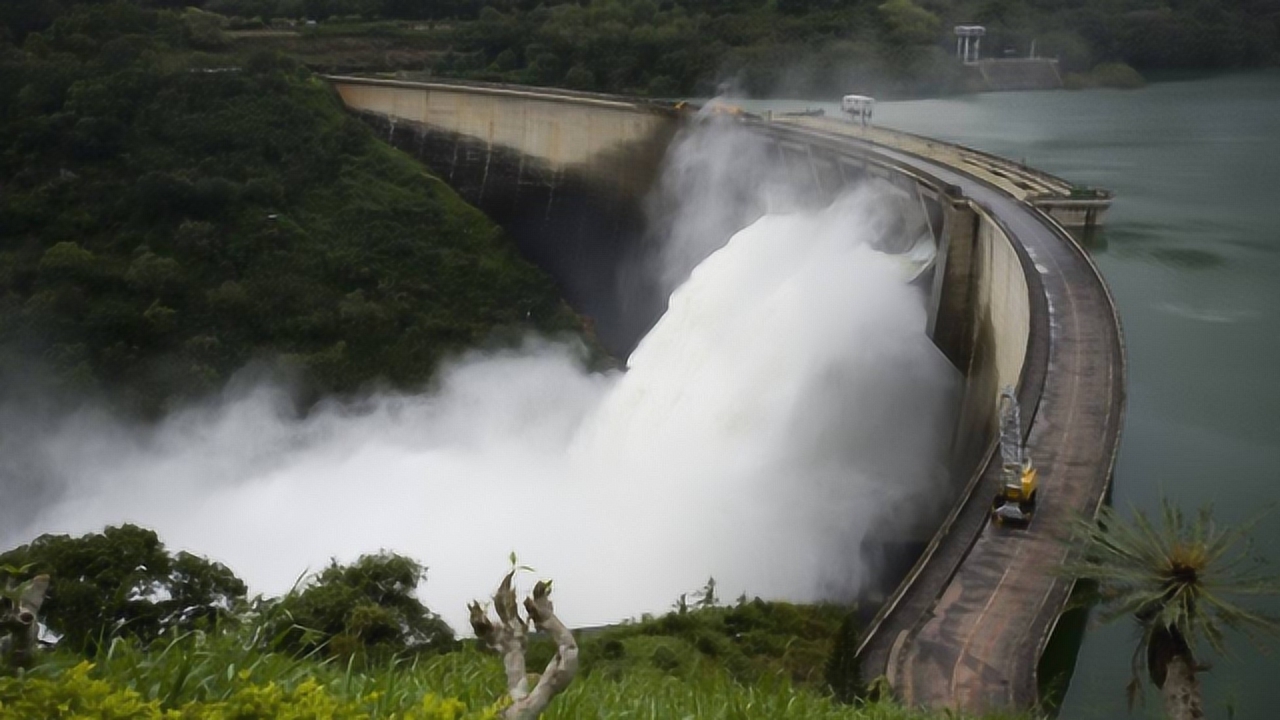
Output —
(1014, 301)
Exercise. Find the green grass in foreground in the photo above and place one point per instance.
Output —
(350, 642)
(207, 676)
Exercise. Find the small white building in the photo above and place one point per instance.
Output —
(969, 43)
(858, 107)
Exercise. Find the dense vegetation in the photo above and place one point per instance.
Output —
(800, 47)
(175, 636)
(188, 679)
(826, 47)
(123, 582)
(168, 217)
(178, 203)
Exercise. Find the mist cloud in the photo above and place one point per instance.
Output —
(784, 403)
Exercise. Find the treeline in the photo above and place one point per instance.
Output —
(124, 585)
(641, 47)
(798, 47)
(824, 48)
(169, 216)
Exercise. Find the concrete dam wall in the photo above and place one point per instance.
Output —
(567, 175)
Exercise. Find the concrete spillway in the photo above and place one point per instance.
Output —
(1015, 301)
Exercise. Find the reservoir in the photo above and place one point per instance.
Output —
(1191, 250)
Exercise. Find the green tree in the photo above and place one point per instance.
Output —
(123, 582)
(579, 78)
(1071, 50)
(907, 23)
(1178, 578)
(506, 60)
(368, 608)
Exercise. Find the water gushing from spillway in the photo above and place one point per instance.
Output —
(786, 405)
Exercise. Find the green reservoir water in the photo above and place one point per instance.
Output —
(1191, 250)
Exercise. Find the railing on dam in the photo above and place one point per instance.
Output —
(1015, 301)
(968, 625)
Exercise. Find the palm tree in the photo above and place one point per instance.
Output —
(1176, 579)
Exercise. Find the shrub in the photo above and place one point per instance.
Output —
(368, 608)
(68, 261)
(579, 78)
(1107, 75)
(750, 640)
(1117, 75)
(70, 695)
(73, 693)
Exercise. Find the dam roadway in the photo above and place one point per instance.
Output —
(969, 629)
(1018, 302)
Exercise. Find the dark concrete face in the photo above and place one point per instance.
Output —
(588, 234)
(599, 230)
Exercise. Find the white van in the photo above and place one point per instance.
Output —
(858, 108)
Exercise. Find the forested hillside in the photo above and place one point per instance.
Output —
(168, 216)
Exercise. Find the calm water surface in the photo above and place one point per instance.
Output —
(1192, 254)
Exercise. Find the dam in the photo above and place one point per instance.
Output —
(1015, 301)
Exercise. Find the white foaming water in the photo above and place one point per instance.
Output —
(786, 399)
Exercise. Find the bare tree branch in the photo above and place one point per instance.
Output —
(509, 639)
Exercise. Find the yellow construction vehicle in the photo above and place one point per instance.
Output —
(1016, 503)
(713, 107)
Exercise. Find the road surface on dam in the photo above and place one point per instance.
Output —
(970, 633)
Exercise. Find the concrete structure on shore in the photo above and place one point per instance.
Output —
(969, 42)
(1005, 74)
(1015, 301)
(999, 74)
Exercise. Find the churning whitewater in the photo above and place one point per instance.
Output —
(783, 407)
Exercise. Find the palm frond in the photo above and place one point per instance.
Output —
(1176, 574)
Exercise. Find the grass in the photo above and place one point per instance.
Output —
(195, 671)
(753, 659)
(152, 658)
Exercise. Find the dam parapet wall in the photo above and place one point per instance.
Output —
(1072, 206)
